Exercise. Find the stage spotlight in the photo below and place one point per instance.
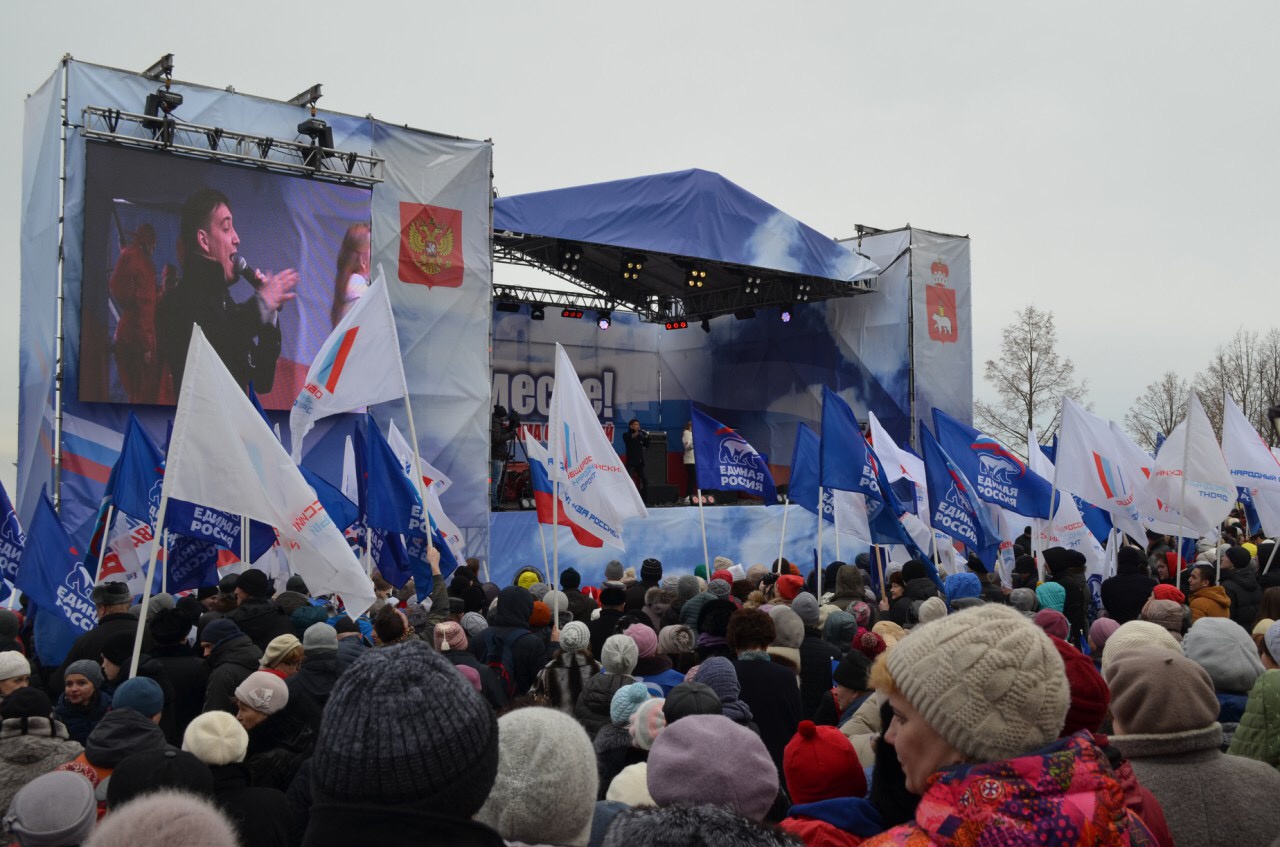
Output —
(785, 314)
(706, 325)
(570, 256)
(803, 291)
(604, 320)
(507, 306)
(679, 324)
(752, 285)
(631, 267)
(695, 278)
(536, 313)
(571, 313)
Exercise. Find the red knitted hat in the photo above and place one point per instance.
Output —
(789, 586)
(1090, 696)
(541, 615)
(868, 643)
(723, 574)
(1169, 592)
(821, 764)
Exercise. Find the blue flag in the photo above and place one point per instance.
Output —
(191, 562)
(137, 475)
(343, 512)
(954, 507)
(1050, 451)
(51, 572)
(1243, 493)
(803, 488)
(12, 541)
(843, 461)
(997, 474)
(726, 462)
(1098, 520)
(883, 513)
(391, 557)
(392, 501)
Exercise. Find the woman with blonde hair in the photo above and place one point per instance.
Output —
(352, 278)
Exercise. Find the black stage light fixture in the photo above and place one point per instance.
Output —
(751, 285)
(745, 314)
(679, 324)
(536, 313)
(632, 265)
(696, 277)
(604, 319)
(507, 306)
(802, 291)
(785, 314)
(706, 325)
(571, 313)
(570, 256)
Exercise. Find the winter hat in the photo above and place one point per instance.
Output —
(821, 764)
(986, 679)
(719, 674)
(297, 584)
(170, 626)
(686, 587)
(26, 703)
(914, 569)
(788, 628)
(840, 629)
(1239, 557)
(574, 637)
(892, 568)
(861, 612)
(449, 635)
(704, 825)
(852, 671)
(1166, 613)
(10, 624)
(646, 722)
(645, 638)
(277, 649)
(676, 639)
(254, 583)
(720, 588)
(890, 632)
(1052, 622)
(216, 738)
(471, 675)
(54, 809)
(1137, 634)
(151, 770)
(868, 643)
(1089, 694)
(962, 585)
(690, 698)
(426, 739)
(118, 648)
(651, 571)
(1130, 560)
(1141, 680)
(88, 669)
(1101, 630)
(1023, 599)
(619, 655)
(806, 607)
(1271, 641)
(755, 573)
(557, 600)
(165, 817)
(1164, 591)
(714, 616)
(932, 609)
(13, 664)
(263, 692)
(710, 760)
(1223, 648)
(218, 631)
(613, 571)
(626, 700)
(474, 623)
(540, 616)
(142, 694)
(305, 617)
(737, 572)
(111, 594)
(545, 790)
(789, 586)
(1051, 595)
(1059, 560)
(570, 579)
(722, 573)
(527, 579)
(631, 786)
(721, 563)
(319, 638)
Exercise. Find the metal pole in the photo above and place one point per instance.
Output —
(146, 588)
(706, 558)
(106, 540)
(783, 537)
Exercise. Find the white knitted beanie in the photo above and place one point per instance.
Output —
(986, 679)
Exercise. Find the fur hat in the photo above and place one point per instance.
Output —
(26, 703)
(626, 700)
(545, 789)
(647, 722)
(631, 786)
(1053, 622)
(277, 649)
(709, 759)
(13, 664)
(986, 679)
(619, 655)
(821, 764)
(1089, 694)
(165, 817)
(170, 626)
(913, 569)
(427, 740)
(574, 637)
(111, 594)
(52, 810)
(645, 638)
(216, 738)
(612, 595)
(676, 640)
(932, 609)
(263, 692)
(1137, 634)
(788, 628)
(142, 694)
(1141, 680)
(1226, 651)
(690, 698)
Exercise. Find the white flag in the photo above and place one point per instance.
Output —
(850, 512)
(1252, 464)
(899, 464)
(1157, 515)
(127, 552)
(1068, 529)
(1091, 466)
(433, 485)
(1191, 473)
(358, 365)
(600, 493)
(350, 485)
(224, 456)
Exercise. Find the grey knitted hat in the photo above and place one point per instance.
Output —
(986, 679)
(53, 809)
(613, 571)
(474, 623)
(402, 727)
(318, 638)
(619, 654)
(806, 606)
(111, 594)
(574, 637)
(686, 587)
(87, 668)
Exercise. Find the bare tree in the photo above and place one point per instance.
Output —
(1030, 380)
(1246, 369)
(1158, 409)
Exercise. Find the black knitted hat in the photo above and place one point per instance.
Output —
(650, 570)
(404, 728)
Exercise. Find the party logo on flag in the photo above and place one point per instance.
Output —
(940, 303)
(430, 245)
(334, 359)
(1109, 477)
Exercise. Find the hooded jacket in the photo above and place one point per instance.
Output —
(316, 676)
(261, 620)
(1124, 594)
(838, 822)
(230, 663)
(1242, 587)
(511, 624)
(1211, 602)
(30, 748)
(849, 587)
(1258, 735)
(119, 734)
(1035, 799)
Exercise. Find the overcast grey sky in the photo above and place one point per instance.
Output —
(1113, 162)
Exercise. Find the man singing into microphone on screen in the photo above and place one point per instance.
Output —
(246, 335)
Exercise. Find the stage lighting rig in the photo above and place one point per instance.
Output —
(631, 267)
(696, 277)
(604, 319)
(319, 131)
(537, 313)
(570, 255)
(680, 324)
(802, 291)
(571, 313)
(752, 285)
(162, 102)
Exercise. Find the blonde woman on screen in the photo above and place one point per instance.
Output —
(352, 278)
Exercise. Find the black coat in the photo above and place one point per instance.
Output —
(635, 595)
(189, 675)
(601, 628)
(1245, 593)
(1124, 595)
(917, 590)
(490, 686)
(592, 708)
(89, 645)
(771, 692)
(528, 652)
(260, 815)
(230, 664)
(345, 824)
(316, 676)
(1076, 606)
(261, 620)
(815, 671)
(581, 606)
(279, 745)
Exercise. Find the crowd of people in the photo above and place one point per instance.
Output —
(721, 705)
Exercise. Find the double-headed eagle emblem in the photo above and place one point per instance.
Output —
(430, 244)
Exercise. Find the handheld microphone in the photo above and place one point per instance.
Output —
(243, 270)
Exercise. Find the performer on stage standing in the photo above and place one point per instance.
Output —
(690, 467)
(636, 440)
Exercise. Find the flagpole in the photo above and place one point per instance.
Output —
(164, 571)
(880, 566)
(706, 559)
(1182, 498)
(555, 536)
(1270, 558)
(244, 539)
(782, 538)
(417, 469)
(835, 525)
(146, 585)
(542, 538)
(822, 518)
(106, 541)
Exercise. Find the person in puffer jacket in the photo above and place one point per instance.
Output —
(32, 743)
(1258, 735)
